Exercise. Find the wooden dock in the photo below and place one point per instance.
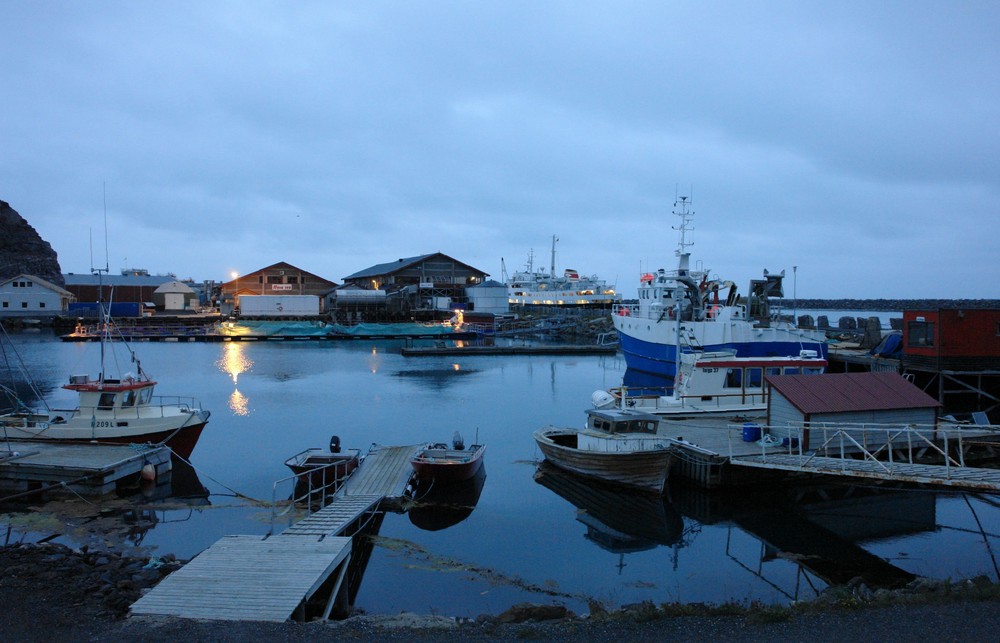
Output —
(554, 349)
(272, 578)
(85, 468)
(930, 474)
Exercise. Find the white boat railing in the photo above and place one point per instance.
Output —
(156, 403)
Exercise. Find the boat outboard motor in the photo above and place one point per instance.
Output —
(334, 444)
(457, 442)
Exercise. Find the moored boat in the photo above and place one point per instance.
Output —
(619, 446)
(712, 383)
(113, 410)
(320, 468)
(441, 463)
(537, 287)
(689, 309)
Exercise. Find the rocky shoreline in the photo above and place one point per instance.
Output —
(52, 590)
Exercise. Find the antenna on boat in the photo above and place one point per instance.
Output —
(681, 210)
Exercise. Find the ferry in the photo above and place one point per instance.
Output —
(690, 310)
(537, 287)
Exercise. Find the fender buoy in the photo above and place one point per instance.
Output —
(148, 472)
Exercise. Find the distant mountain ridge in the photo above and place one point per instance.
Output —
(22, 249)
(892, 305)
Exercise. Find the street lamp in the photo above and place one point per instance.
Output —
(795, 296)
(236, 290)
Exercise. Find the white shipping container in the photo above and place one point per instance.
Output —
(278, 305)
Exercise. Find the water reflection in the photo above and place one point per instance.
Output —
(233, 362)
(618, 520)
(825, 530)
(440, 506)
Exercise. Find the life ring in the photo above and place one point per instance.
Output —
(647, 278)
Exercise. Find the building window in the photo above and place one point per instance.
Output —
(292, 279)
(274, 279)
(920, 334)
(41, 304)
(6, 304)
(24, 304)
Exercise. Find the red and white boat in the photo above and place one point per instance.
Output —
(439, 463)
(713, 383)
(112, 410)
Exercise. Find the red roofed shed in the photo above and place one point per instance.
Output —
(847, 398)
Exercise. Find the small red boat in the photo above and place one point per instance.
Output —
(321, 468)
(440, 463)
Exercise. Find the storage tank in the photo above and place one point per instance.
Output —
(278, 305)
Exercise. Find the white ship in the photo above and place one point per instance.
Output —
(537, 287)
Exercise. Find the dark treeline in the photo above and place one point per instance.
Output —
(892, 304)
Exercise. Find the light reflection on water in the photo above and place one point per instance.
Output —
(538, 540)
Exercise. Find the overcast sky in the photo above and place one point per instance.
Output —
(859, 141)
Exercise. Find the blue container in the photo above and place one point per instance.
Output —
(751, 432)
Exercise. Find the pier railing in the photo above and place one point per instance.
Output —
(309, 491)
(886, 447)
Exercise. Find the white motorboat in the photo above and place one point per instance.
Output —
(712, 383)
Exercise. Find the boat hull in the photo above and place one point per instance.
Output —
(181, 440)
(648, 468)
(652, 348)
(448, 465)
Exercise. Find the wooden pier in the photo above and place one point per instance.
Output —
(272, 578)
(929, 474)
(712, 453)
(553, 349)
(84, 468)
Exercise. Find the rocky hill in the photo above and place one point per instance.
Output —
(22, 250)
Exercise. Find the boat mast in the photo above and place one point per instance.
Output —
(552, 270)
(685, 215)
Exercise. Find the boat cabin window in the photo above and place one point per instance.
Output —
(734, 378)
(812, 370)
(145, 395)
(635, 426)
(129, 399)
(601, 425)
(107, 401)
(773, 370)
(755, 377)
(792, 370)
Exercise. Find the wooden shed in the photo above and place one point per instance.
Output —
(882, 398)
(952, 339)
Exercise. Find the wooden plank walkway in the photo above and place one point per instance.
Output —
(266, 579)
(247, 578)
(384, 471)
(332, 519)
(954, 476)
(88, 468)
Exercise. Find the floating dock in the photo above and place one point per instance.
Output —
(272, 578)
(84, 468)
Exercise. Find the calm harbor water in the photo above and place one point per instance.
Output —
(533, 536)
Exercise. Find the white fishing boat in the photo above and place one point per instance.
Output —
(112, 409)
(712, 383)
(619, 446)
(537, 287)
(689, 309)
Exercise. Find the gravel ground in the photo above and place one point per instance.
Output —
(51, 592)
